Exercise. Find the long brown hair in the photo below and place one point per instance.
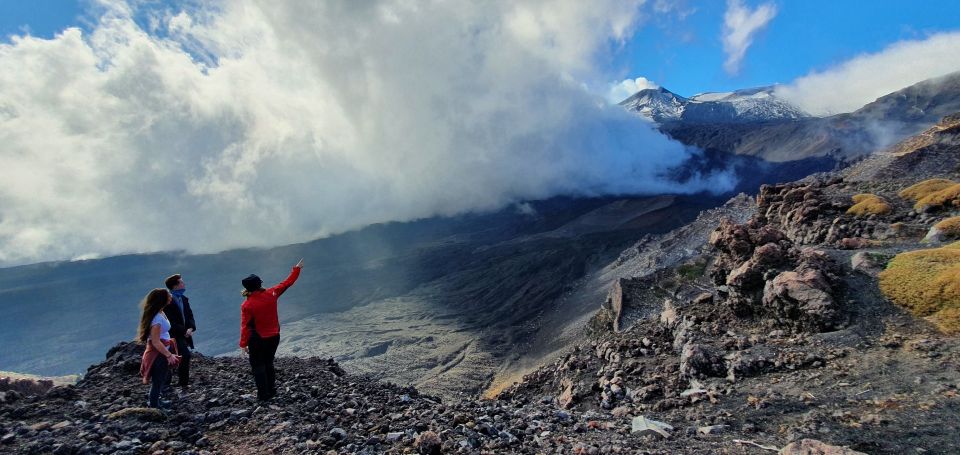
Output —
(151, 305)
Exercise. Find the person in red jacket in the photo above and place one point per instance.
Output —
(260, 328)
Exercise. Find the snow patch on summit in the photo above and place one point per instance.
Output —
(747, 105)
(658, 104)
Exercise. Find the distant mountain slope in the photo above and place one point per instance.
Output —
(925, 102)
(59, 317)
(926, 155)
(748, 105)
(844, 136)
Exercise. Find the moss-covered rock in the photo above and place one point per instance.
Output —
(868, 204)
(949, 197)
(923, 189)
(927, 282)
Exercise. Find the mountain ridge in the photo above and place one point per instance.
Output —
(757, 104)
(843, 137)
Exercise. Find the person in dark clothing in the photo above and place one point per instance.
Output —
(260, 329)
(182, 326)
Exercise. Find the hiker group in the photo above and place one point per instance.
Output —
(167, 326)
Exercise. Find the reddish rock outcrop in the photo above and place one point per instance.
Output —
(764, 273)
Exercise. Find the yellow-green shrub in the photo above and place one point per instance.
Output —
(947, 320)
(927, 282)
(920, 190)
(952, 246)
(868, 204)
(949, 195)
(950, 227)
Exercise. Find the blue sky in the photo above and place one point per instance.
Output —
(687, 56)
(42, 18)
(682, 49)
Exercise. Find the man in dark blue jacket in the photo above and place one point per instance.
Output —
(182, 326)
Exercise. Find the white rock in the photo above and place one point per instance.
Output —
(394, 436)
(712, 429)
(934, 235)
(645, 426)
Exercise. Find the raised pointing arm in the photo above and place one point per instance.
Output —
(292, 278)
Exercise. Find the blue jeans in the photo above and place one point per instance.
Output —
(158, 378)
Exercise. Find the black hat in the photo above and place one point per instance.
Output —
(251, 283)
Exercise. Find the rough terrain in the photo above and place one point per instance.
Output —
(760, 327)
(777, 330)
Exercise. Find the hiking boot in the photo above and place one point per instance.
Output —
(161, 405)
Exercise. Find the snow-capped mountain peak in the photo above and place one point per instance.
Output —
(747, 105)
(658, 104)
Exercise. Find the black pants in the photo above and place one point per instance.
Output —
(183, 370)
(159, 372)
(262, 352)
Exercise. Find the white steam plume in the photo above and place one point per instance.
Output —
(265, 122)
(860, 80)
(740, 25)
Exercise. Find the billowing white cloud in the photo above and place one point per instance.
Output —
(862, 79)
(624, 89)
(255, 123)
(740, 25)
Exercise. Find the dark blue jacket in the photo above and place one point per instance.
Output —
(179, 323)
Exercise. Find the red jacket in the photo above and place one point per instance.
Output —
(260, 308)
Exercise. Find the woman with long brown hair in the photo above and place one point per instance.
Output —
(155, 332)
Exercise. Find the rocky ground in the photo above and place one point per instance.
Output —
(777, 331)
(765, 332)
(322, 409)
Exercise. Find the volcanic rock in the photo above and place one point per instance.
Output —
(801, 300)
(814, 447)
(697, 360)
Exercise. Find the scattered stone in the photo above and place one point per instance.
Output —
(567, 395)
(692, 392)
(703, 298)
(814, 447)
(854, 243)
(645, 426)
(145, 414)
(868, 263)
(935, 235)
(697, 360)
(394, 436)
(712, 429)
(61, 425)
(668, 316)
(39, 426)
(338, 434)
